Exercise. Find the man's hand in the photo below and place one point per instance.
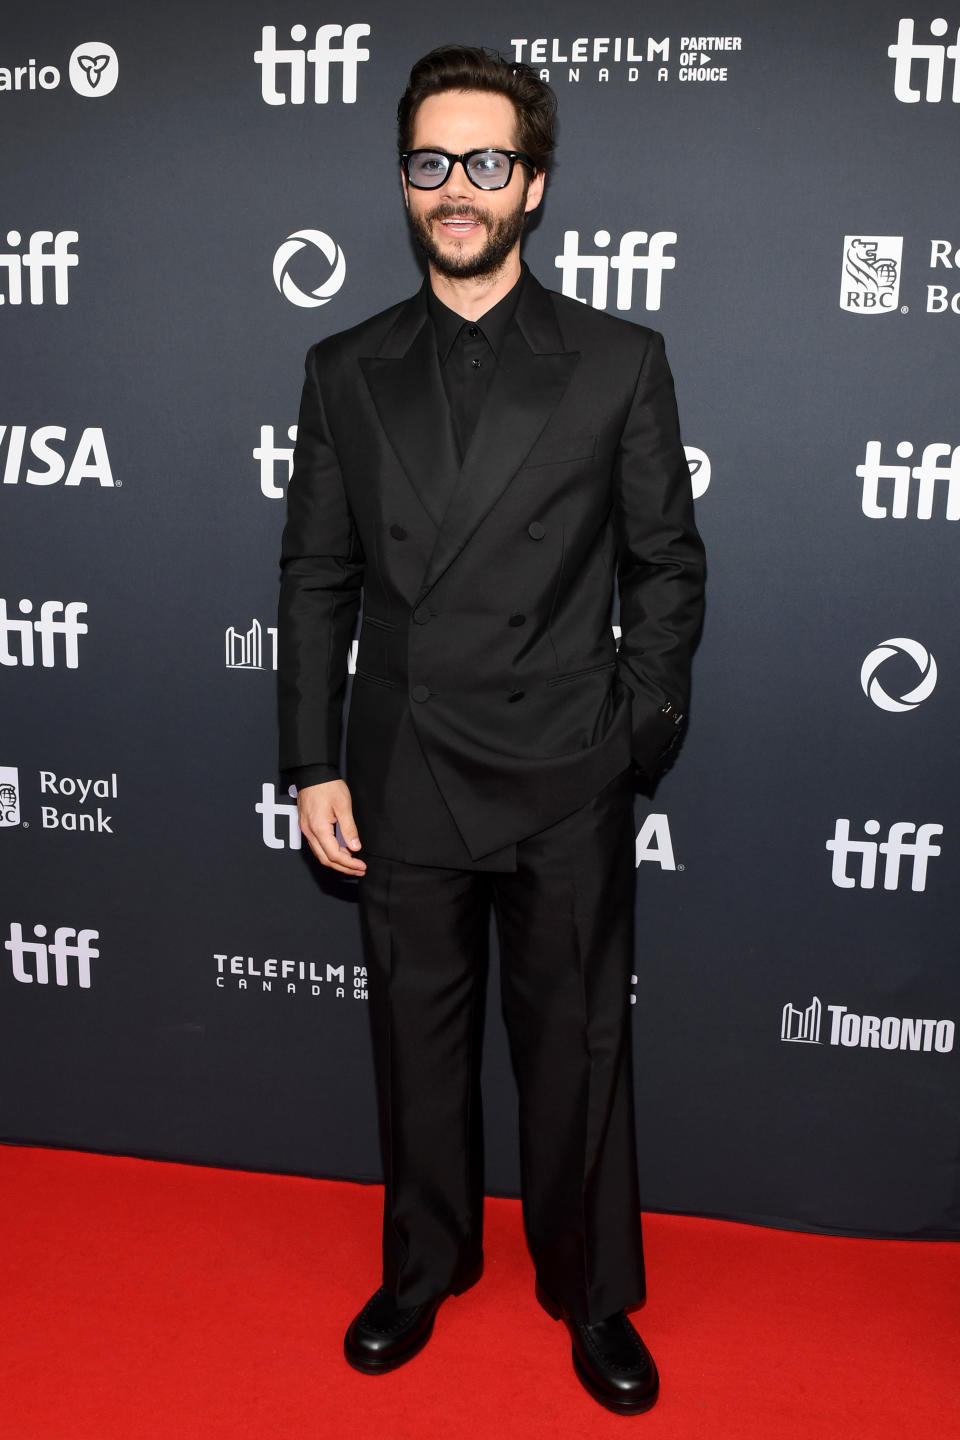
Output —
(321, 808)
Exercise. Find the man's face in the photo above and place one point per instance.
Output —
(467, 232)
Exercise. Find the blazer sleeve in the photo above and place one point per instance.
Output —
(321, 581)
(661, 567)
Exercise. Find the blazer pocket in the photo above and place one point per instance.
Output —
(561, 449)
(376, 624)
(579, 674)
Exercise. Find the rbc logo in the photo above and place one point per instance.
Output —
(67, 944)
(626, 262)
(895, 847)
(871, 274)
(323, 55)
(906, 51)
(9, 795)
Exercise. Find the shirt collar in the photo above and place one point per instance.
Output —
(493, 324)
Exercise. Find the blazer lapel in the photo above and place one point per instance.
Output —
(407, 389)
(533, 372)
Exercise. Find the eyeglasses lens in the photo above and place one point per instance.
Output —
(487, 169)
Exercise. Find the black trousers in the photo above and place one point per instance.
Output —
(565, 923)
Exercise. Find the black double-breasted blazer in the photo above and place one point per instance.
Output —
(489, 698)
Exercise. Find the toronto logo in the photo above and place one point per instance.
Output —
(871, 273)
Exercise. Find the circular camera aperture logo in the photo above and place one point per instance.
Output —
(331, 252)
(94, 69)
(921, 657)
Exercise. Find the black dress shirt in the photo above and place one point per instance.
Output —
(468, 352)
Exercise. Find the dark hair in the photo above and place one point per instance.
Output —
(468, 67)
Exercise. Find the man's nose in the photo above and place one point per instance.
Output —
(456, 181)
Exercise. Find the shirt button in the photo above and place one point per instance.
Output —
(422, 615)
(536, 531)
(420, 693)
(398, 532)
(473, 332)
(517, 620)
(476, 364)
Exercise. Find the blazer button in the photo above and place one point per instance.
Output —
(398, 532)
(422, 616)
(517, 620)
(420, 693)
(536, 531)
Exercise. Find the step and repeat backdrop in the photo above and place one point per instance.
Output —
(191, 195)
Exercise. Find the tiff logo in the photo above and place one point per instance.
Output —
(928, 473)
(48, 627)
(244, 649)
(802, 1026)
(270, 456)
(906, 51)
(37, 260)
(67, 945)
(280, 825)
(895, 847)
(324, 54)
(626, 263)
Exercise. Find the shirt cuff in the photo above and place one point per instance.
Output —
(304, 775)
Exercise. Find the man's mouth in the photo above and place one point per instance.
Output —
(457, 226)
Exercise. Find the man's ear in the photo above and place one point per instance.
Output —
(535, 191)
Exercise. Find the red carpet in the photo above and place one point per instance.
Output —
(150, 1301)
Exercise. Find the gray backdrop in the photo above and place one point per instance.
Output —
(193, 194)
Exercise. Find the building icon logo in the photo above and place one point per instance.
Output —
(324, 292)
(802, 1026)
(9, 796)
(921, 657)
(870, 284)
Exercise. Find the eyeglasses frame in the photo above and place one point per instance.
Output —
(512, 155)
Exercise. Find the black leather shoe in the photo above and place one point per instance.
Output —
(610, 1359)
(385, 1334)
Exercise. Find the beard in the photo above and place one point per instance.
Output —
(503, 232)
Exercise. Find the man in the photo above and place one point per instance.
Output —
(481, 463)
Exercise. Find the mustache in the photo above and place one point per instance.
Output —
(447, 210)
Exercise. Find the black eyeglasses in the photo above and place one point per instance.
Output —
(487, 169)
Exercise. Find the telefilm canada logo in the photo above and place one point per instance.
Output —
(291, 977)
(47, 259)
(64, 959)
(865, 1032)
(898, 649)
(334, 51)
(313, 242)
(624, 59)
(887, 490)
(93, 70)
(45, 456)
(924, 63)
